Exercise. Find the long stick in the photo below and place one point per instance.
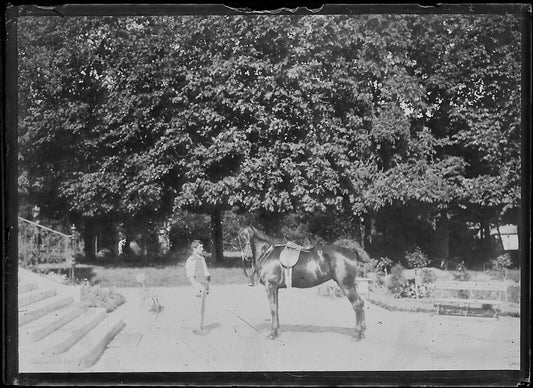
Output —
(252, 326)
(202, 311)
(248, 323)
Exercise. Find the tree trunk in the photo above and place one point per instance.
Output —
(89, 234)
(370, 229)
(217, 246)
(444, 236)
(362, 231)
(486, 246)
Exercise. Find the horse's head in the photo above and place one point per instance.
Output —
(244, 237)
(245, 242)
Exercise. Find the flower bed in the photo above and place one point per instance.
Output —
(423, 305)
(388, 302)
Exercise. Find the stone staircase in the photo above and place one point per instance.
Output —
(57, 332)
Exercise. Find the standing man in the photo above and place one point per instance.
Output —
(199, 276)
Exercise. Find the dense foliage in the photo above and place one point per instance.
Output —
(383, 127)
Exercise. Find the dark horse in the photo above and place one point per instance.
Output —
(315, 266)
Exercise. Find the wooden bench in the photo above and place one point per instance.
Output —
(470, 300)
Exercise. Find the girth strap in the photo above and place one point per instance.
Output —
(289, 257)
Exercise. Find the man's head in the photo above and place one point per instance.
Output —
(197, 246)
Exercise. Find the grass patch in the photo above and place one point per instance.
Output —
(160, 276)
(166, 271)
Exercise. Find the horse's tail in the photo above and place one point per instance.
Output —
(355, 247)
(363, 255)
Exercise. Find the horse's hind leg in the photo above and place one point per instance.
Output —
(272, 292)
(358, 305)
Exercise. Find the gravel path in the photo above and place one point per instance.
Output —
(316, 334)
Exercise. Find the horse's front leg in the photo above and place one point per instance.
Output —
(272, 292)
(252, 276)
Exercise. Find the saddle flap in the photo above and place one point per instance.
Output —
(289, 257)
(293, 245)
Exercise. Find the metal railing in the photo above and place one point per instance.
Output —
(38, 244)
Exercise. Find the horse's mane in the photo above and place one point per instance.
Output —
(263, 236)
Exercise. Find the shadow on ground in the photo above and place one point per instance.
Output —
(309, 329)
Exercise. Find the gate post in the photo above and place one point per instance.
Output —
(73, 250)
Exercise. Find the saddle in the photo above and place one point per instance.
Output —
(289, 257)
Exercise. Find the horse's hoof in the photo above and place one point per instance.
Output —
(272, 336)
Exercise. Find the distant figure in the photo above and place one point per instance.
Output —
(198, 274)
(444, 264)
(163, 240)
(121, 243)
(104, 253)
(135, 246)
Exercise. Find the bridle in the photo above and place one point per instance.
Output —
(246, 247)
(247, 253)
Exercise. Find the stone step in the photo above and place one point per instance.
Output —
(25, 287)
(43, 307)
(35, 296)
(47, 324)
(87, 349)
(69, 334)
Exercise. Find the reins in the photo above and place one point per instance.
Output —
(242, 255)
(262, 256)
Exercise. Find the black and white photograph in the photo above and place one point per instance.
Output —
(231, 191)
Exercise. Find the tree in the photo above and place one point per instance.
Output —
(470, 67)
(86, 142)
(356, 117)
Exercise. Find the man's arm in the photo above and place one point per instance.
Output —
(189, 271)
(190, 267)
(206, 271)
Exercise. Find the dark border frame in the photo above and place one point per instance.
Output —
(10, 373)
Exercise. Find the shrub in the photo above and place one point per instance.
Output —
(399, 286)
(427, 276)
(461, 274)
(382, 264)
(417, 259)
(101, 297)
(502, 262)
(501, 265)
(380, 281)
(56, 277)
